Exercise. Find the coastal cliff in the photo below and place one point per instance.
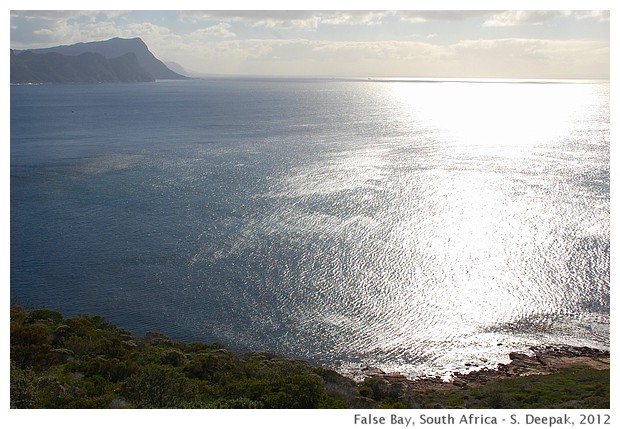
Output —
(114, 60)
(88, 67)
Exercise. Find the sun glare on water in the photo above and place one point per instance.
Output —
(476, 241)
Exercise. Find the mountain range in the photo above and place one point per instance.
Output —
(114, 60)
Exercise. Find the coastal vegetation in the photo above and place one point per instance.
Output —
(87, 362)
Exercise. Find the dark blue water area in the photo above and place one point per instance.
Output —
(115, 187)
(316, 219)
(126, 198)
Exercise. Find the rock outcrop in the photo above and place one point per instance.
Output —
(541, 361)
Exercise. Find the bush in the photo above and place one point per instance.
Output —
(23, 387)
(30, 347)
(45, 315)
(155, 386)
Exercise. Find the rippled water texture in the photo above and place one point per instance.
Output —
(411, 226)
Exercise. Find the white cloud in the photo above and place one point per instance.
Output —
(361, 17)
(58, 32)
(264, 18)
(439, 15)
(49, 15)
(304, 20)
(288, 19)
(65, 27)
(599, 15)
(221, 30)
(243, 15)
(45, 33)
(64, 15)
(523, 17)
(310, 23)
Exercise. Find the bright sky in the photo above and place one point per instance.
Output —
(435, 43)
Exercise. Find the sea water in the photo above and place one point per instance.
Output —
(420, 227)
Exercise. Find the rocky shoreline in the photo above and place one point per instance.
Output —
(542, 361)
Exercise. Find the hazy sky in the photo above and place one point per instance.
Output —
(445, 43)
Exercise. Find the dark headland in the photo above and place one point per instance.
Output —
(111, 61)
(87, 362)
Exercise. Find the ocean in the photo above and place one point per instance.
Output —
(423, 227)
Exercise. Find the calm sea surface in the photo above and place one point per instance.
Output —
(410, 226)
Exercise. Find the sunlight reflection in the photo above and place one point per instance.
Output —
(502, 119)
(436, 231)
(482, 211)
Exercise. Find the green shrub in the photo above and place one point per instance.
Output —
(156, 386)
(23, 387)
(45, 315)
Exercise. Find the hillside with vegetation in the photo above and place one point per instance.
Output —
(87, 362)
